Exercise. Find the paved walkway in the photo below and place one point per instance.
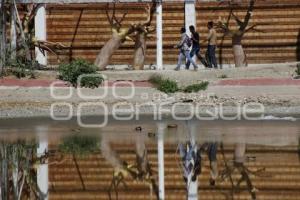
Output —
(224, 82)
(259, 82)
(58, 83)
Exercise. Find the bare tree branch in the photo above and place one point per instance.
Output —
(248, 15)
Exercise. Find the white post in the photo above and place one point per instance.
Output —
(42, 169)
(159, 45)
(160, 149)
(40, 33)
(192, 186)
(189, 15)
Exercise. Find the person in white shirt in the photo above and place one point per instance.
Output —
(184, 50)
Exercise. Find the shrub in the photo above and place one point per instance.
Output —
(79, 144)
(72, 71)
(170, 86)
(164, 85)
(223, 76)
(22, 68)
(196, 87)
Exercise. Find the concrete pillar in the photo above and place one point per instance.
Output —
(160, 149)
(40, 33)
(159, 39)
(190, 14)
(42, 169)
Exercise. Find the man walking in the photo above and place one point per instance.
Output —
(212, 43)
(196, 48)
(184, 46)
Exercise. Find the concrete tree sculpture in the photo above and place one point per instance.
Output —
(119, 35)
(237, 34)
(142, 34)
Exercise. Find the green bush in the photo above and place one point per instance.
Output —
(170, 86)
(164, 85)
(223, 76)
(196, 87)
(22, 68)
(72, 71)
(79, 144)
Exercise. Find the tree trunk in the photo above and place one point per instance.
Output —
(15, 173)
(2, 37)
(107, 51)
(13, 32)
(110, 155)
(141, 153)
(139, 52)
(4, 172)
(238, 52)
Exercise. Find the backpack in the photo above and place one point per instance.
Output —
(188, 41)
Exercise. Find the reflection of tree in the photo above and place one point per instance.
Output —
(18, 171)
(140, 171)
(238, 165)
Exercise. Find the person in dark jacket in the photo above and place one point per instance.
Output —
(195, 48)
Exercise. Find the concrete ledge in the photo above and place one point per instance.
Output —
(284, 70)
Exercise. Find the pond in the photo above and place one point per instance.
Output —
(150, 159)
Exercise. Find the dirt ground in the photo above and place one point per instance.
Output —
(274, 89)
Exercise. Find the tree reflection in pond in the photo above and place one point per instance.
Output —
(19, 162)
(238, 165)
(140, 171)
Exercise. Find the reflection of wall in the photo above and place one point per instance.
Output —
(281, 163)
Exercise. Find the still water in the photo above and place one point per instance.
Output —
(147, 159)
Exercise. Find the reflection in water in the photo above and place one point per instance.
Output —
(229, 162)
(190, 153)
(140, 171)
(19, 163)
(238, 165)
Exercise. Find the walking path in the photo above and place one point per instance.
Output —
(224, 82)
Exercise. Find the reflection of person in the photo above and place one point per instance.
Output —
(190, 160)
(184, 50)
(212, 44)
(195, 48)
(212, 149)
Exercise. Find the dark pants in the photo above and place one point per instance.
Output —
(212, 150)
(196, 51)
(211, 56)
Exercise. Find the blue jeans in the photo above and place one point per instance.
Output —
(196, 51)
(185, 54)
(211, 56)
